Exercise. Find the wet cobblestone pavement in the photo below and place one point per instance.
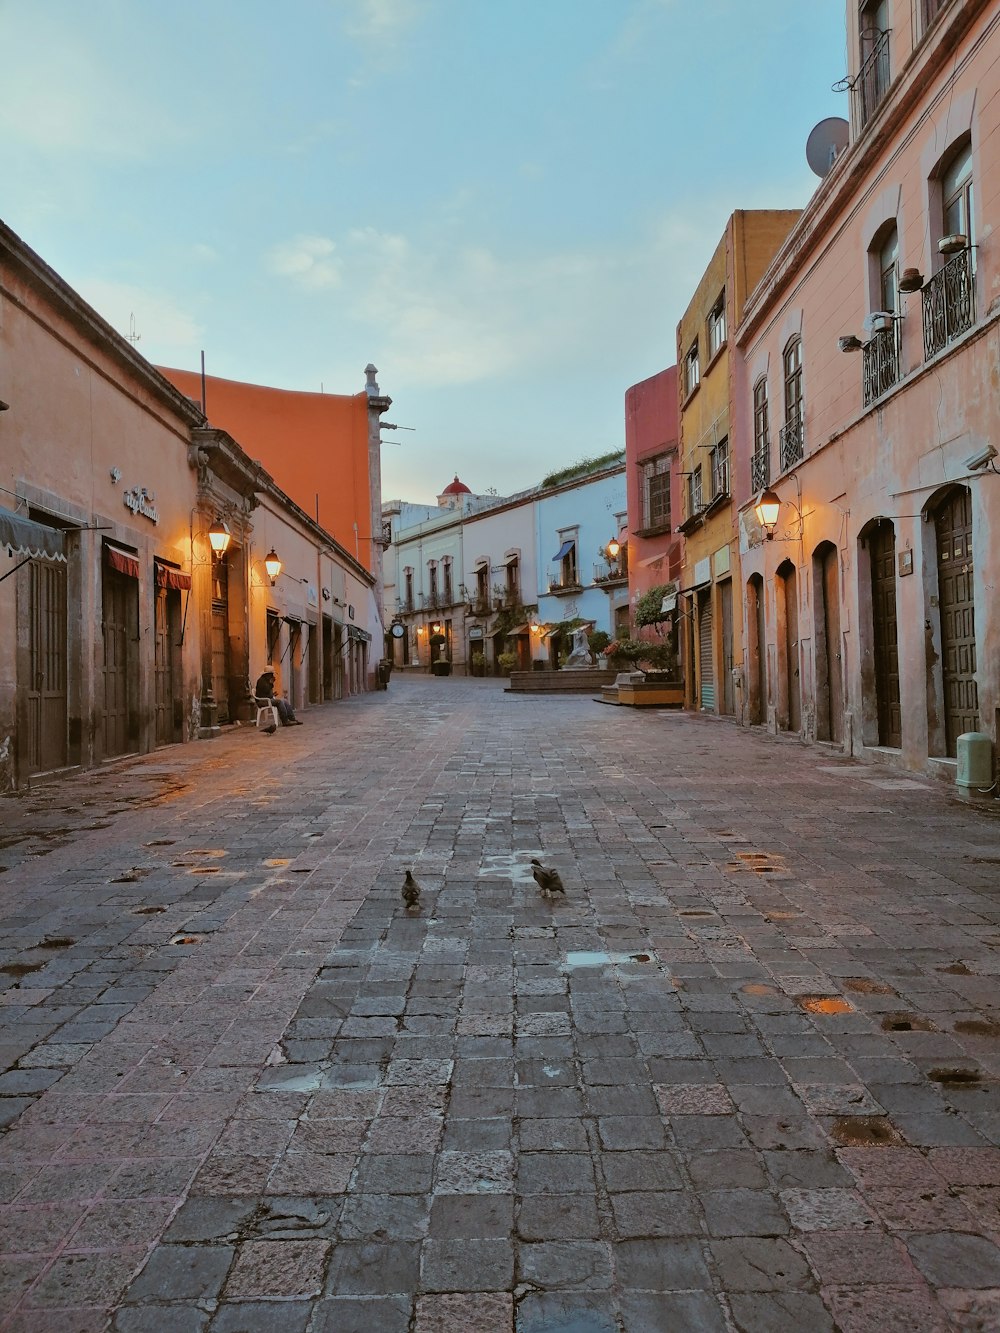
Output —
(747, 1077)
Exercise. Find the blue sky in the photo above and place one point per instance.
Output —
(505, 204)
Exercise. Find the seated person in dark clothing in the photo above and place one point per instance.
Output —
(264, 689)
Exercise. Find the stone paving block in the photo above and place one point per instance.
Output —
(580, 1311)
(362, 1314)
(262, 1317)
(654, 1311)
(543, 1217)
(277, 1268)
(826, 1209)
(888, 1307)
(661, 1265)
(384, 1217)
(950, 1259)
(760, 1263)
(693, 1099)
(374, 1268)
(150, 1318)
(743, 1212)
(656, 1213)
(480, 1312)
(468, 1264)
(781, 1312)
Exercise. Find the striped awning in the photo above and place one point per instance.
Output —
(169, 576)
(125, 562)
(23, 536)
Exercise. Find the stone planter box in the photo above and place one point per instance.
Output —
(440, 668)
(655, 690)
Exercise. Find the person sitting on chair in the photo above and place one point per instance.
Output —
(264, 689)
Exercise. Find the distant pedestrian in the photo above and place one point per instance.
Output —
(264, 689)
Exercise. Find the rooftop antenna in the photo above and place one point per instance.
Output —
(826, 142)
(133, 337)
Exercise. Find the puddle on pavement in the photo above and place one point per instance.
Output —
(956, 970)
(601, 958)
(504, 866)
(903, 1022)
(976, 1027)
(866, 986)
(865, 1131)
(203, 870)
(57, 942)
(147, 911)
(21, 969)
(825, 1004)
(782, 916)
(186, 939)
(160, 842)
(955, 1076)
(696, 912)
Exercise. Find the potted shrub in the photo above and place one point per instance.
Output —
(506, 662)
(477, 664)
(599, 641)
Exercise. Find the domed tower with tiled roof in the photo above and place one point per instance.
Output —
(451, 496)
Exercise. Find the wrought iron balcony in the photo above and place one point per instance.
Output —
(872, 82)
(880, 363)
(760, 468)
(948, 307)
(564, 581)
(790, 441)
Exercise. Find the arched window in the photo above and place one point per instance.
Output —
(760, 464)
(791, 432)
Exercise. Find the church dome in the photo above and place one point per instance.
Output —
(456, 487)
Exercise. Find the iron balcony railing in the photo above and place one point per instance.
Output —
(948, 303)
(790, 440)
(560, 581)
(880, 364)
(760, 468)
(873, 80)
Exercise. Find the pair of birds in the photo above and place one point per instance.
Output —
(547, 878)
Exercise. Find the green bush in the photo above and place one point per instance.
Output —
(599, 640)
(647, 607)
(506, 662)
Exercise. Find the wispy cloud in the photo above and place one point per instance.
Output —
(308, 261)
(381, 21)
(60, 95)
(167, 333)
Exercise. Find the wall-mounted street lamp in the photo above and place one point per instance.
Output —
(219, 537)
(613, 550)
(766, 509)
(272, 563)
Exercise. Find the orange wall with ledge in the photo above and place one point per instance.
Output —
(315, 445)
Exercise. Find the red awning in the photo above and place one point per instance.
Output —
(169, 576)
(124, 561)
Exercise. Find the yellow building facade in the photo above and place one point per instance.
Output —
(710, 629)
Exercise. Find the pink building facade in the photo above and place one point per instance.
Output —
(652, 483)
(870, 409)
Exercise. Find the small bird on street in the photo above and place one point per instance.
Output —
(548, 880)
(411, 893)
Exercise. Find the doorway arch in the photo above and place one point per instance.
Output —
(950, 512)
(882, 715)
(756, 651)
(789, 695)
(829, 644)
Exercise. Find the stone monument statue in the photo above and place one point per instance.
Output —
(580, 653)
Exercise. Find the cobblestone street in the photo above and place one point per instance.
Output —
(747, 1077)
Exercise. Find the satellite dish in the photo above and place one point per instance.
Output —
(826, 142)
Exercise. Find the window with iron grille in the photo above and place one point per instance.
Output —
(432, 582)
(446, 570)
(948, 305)
(692, 369)
(717, 326)
(656, 492)
(791, 438)
(719, 460)
(408, 575)
(695, 497)
(872, 82)
(760, 464)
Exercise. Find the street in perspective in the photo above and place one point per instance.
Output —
(741, 1075)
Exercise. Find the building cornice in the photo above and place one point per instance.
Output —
(825, 210)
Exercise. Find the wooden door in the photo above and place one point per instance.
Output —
(706, 666)
(220, 636)
(728, 696)
(119, 627)
(831, 720)
(168, 705)
(790, 647)
(883, 566)
(953, 526)
(47, 656)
